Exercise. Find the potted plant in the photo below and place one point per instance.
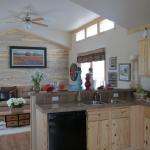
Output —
(16, 103)
(36, 80)
(140, 94)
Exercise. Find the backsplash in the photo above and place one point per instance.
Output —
(68, 96)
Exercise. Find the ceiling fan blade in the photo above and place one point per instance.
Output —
(11, 20)
(40, 24)
(38, 19)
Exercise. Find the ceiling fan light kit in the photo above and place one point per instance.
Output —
(28, 25)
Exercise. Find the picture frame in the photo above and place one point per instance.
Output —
(112, 78)
(113, 63)
(125, 72)
(27, 57)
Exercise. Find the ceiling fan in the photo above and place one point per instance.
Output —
(29, 21)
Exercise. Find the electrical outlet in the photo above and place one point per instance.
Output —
(115, 95)
(55, 98)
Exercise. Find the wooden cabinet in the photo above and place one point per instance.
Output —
(147, 128)
(98, 130)
(120, 133)
(144, 57)
(108, 129)
(137, 127)
(120, 128)
(15, 120)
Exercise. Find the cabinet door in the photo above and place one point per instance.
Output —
(144, 57)
(103, 135)
(92, 135)
(98, 135)
(120, 133)
(147, 133)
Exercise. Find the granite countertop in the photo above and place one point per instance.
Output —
(76, 106)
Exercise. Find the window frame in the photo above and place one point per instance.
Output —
(84, 27)
(78, 32)
(106, 30)
(89, 27)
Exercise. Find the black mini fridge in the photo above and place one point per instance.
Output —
(67, 130)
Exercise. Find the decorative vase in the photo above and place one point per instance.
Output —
(36, 88)
(87, 82)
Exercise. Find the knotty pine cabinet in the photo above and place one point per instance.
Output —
(98, 130)
(108, 129)
(144, 57)
(120, 128)
(147, 128)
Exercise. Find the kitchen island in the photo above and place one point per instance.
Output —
(122, 126)
(114, 126)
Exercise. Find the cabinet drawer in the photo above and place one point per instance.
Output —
(120, 113)
(12, 124)
(11, 117)
(2, 118)
(100, 115)
(24, 116)
(24, 122)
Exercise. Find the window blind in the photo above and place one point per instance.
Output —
(94, 55)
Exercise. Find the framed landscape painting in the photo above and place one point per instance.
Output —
(125, 72)
(28, 57)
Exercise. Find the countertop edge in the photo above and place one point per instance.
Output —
(46, 109)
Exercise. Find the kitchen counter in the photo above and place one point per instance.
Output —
(7, 111)
(76, 106)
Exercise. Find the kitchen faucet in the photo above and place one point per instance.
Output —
(98, 97)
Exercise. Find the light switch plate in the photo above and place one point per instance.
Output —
(55, 98)
(115, 95)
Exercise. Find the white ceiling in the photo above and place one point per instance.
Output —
(59, 14)
(127, 13)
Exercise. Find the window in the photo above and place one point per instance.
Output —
(97, 27)
(80, 35)
(91, 30)
(106, 25)
(98, 72)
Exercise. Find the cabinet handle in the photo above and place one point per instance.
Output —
(115, 134)
(146, 127)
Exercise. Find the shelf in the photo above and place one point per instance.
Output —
(16, 130)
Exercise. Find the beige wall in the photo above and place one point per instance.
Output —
(117, 42)
(57, 59)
